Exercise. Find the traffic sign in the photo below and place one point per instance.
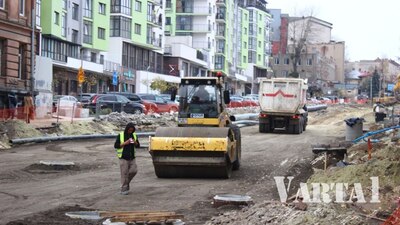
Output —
(81, 76)
(115, 78)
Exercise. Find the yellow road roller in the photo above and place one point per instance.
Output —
(205, 144)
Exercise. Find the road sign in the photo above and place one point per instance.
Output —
(115, 78)
(81, 76)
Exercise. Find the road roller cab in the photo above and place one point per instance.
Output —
(205, 143)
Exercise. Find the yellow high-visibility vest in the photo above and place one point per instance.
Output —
(121, 140)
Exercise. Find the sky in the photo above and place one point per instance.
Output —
(370, 29)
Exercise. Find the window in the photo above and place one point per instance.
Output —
(102, 8)
(284, 73)
(64, 4)
(299, 62)
(58, 50)
(120, 26)
(244, 59)
(259, 30)
(63, 25)
(121, 6)
(75, 11)
(245, 45)
(259, 44)
(87, 32)
(286, 61)
(168, 4)
(1, 57)
(56, 18)
(245, 16)
(75, 36)
(138, 28)
(38, 4)
(138, 6)
(101, 59)
(259, 57)
(245, 30)
(260, 17)
(2, 4)
(309, 61)
(21, 62)
(87, 9)
(93, 57)
(101, 33)
(167, 20)
(276, 61)
(22, 7)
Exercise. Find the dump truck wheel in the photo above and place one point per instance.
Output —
(264, 128)
(236, 163)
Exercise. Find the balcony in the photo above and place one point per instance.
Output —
(201, 45)
(154, 21)
(220, 17)
(87, 39)
(220, 51)
(156, 2)
(220, 33)
(194, 10)
(221, 2)
(156, 42)
(194, 28)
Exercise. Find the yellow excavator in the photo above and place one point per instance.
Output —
(205, 144)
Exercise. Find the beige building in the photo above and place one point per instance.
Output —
(321, 60)
(389, 68)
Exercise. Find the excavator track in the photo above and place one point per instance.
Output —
(196, 152)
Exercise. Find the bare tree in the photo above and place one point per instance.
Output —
(302, 31)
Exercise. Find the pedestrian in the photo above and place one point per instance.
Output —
(125, 145)
(29, 108)
(12, 104)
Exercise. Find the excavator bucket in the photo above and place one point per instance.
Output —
(192, 152)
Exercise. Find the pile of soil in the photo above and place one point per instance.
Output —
(56, 217)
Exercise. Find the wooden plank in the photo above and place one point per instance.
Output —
(128, 219)
(135, 213)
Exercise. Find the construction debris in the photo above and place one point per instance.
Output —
(229, 199)
(143, 217)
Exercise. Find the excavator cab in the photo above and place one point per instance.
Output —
(205, 143)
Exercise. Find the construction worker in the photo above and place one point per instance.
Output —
(125, 145)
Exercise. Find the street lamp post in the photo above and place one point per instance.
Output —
(147, 79)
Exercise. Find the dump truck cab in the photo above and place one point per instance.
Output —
(205, 144)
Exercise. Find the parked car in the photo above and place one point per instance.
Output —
(168, 98)
(115, 103)
(150, 106)
(84, 97)
(64, 101)
(162, 104)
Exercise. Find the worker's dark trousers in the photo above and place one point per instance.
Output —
(128, 171)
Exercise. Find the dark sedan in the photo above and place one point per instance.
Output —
(114, 103)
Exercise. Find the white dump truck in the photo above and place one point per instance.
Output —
(283, 105)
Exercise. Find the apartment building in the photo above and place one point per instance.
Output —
(15, 49)
(75, 33)
(137, 37)
(259, 44)
(220, 32)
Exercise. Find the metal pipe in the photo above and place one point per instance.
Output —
(71, 137)
(246, 116)
(371, 133)
(313, 108)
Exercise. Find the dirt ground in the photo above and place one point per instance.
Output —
(33, 194)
